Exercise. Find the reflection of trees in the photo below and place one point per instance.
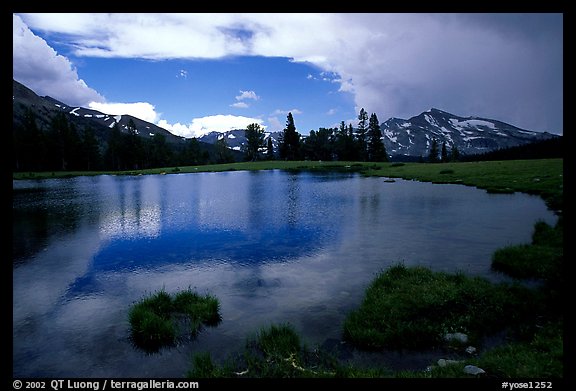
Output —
(30, 231)
(41, 215)
(241, 215)
(292, 199)
(130, 207)
(370, 201)
(256, 200)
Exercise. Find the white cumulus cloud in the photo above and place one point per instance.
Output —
(244, 95)
(201, 126)
(247, 95)
(142, 110)
(240, 105)
(285, 112)
(39, 67)
(274, 124)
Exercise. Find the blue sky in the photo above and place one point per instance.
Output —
(194, 73)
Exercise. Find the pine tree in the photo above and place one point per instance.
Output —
(433, 155)
(376, 149)
(113, 157)
(90, 150)
(351, 147)
(133, 149)
(270, 149)
(192, 153)
(159, 153)
(454, 154)
(29, 144)
(344, 143)
(361, 135)
(254, 141)
(64, 143)
(318, 145)
(289, 147)
(223, 153)
(444, 153)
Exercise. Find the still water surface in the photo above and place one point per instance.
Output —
(273, 246)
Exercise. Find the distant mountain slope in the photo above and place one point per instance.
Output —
(404, 139)
(236, 139)
(471, 135)
(46, 107)
(413, 137)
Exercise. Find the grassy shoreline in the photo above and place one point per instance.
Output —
(543, 177)
(414, 308)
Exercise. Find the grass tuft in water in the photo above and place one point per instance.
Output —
(154, 320)
(149, 329)
(203, 309)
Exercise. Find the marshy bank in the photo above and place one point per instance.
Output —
(452, 315)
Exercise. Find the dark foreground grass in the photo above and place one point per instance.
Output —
(274, 352)
(156, 320)
(277, 352)
(539, 358)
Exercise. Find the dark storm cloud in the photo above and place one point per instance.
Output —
(503, 66)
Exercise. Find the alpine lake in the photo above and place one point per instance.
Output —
(273, 246)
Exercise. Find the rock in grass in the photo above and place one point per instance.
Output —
(473, 370)
(456, 337)
(443, 362)
(470, 350)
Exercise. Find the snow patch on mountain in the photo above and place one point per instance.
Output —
(470, 135)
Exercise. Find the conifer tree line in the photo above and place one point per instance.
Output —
(343, 143)
(434, 156)
(62, 146)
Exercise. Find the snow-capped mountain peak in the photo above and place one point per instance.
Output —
(471, 135)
